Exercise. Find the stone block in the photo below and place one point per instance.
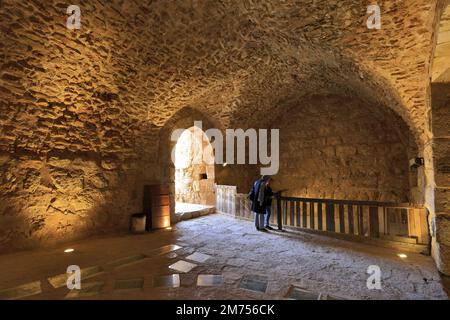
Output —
(442, 257)
(440, 101)
(442, 200)
(441, 152)
(443, 229)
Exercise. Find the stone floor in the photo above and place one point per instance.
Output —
(186, 211)
(182, 207)
(218, 257)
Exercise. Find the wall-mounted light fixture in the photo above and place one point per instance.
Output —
(415, 163)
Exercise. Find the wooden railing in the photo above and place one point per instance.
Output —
(372, 219)
(363, 218)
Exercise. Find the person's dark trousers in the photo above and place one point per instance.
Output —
(267, 216)
(259, 220)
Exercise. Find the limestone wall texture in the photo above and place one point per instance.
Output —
(338, 148)
(440, 95)
(437, 150)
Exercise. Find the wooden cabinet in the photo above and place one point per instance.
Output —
(157, 206)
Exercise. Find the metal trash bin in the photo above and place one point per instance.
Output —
(137, 223)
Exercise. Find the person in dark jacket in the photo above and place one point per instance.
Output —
(258, 198)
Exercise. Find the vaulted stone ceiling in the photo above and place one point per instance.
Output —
(135, 63)
(441, 63)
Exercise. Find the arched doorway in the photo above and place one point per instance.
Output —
(194, 171)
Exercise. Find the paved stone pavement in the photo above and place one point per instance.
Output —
(218, 257)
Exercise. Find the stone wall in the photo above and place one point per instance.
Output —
(338, 148)
(440, 100)
(82, 110)
(47, 200)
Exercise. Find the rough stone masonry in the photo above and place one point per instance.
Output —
(85, 113)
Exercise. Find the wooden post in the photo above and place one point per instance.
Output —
(279, 218)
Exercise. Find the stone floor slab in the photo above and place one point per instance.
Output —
(209, 280)
(129, 284)
(87, 290)
(60, 280)
(163, 250)
(23, 291)
(170, 281)
(296, 293)
(254, 283)
(198, 257)
(182, 266)
(331, 297)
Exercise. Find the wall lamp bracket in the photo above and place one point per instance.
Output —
(415, 163)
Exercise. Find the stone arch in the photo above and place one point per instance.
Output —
(183, 119)
(194, 168)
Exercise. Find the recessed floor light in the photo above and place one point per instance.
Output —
(402, 255)
(69, 250)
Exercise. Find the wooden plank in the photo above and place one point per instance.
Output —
(336, 218)
(319, 216)
(316, 215)
(382, 223)
(346, 220)
(341, 219)
(424, 232)
(272, 216)
(308, 214)
(161, 211)
(297, 213)
(351, 220)
(330, 217)
(388, 218)
(324, 216)
(366, 224)
(305, 214)
(300, 212)
(160, 222)
(360, 221)
(418, 231)
(352, 202)
(292, 212)
(374, 229)
(412, 232)
(160, 200)
(285, 212)
(279, 220)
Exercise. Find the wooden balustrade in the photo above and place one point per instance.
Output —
(370, 219)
